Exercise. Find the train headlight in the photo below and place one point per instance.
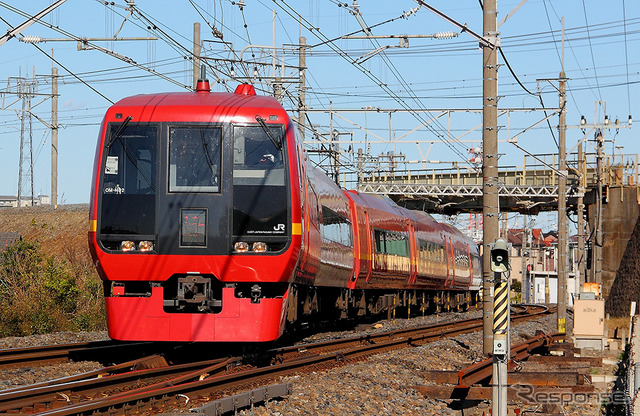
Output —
(259, 247)
(145, 245)
(127, 245)
(241, 247)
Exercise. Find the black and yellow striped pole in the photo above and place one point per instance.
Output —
(500, 268)
(501, 308)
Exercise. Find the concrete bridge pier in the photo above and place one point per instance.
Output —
(621, 247)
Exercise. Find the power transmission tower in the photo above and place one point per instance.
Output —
(22, 90)
(25, 89)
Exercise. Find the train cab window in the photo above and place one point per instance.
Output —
(259, 181)
(129, 179)
(194, 159)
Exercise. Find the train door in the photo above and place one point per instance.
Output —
(306, 222)
(366, 256)
(194, 211)
(470, 268)
(413, 254)
(453, 262)
(448, 260)
(356, 225)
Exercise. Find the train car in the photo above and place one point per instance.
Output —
(208, 223)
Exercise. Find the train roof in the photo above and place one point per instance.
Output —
(380, 202)
(201, 106)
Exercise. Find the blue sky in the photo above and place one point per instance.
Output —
(601, 61)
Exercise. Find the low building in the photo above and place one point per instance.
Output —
(534, 258)
(12, 201)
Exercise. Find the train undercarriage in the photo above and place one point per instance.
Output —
(308, 303)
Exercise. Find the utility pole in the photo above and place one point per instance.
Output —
(598, 241)
(490, 198)
(562, 207)
(524, 289)
(196, 54)
(581, 266)
(21, 156)
(302, 64)
(54, 137)
(562, 197)
(278, 91)
(490, 213)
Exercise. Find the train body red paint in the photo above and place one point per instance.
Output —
(207, 223)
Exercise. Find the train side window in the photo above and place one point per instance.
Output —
(194, 159)
(314, 211)
(336, 228)
(380, 241)
(390, 242)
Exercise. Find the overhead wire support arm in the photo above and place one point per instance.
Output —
(514, 139)
(559, 173)
(483, 41)
(13, 32)
(439, 35)
(512, 12)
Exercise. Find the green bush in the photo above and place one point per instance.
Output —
(41, 294)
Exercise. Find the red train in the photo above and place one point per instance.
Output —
(207, 223)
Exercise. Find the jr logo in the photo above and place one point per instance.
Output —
(279, 227)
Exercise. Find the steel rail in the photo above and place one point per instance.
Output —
(141, 363)
(107, 381)
(22, 357)
(19, 357)
(483, 370)
(208, 385)
(282, 353)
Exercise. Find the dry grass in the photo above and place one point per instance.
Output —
(48, 282)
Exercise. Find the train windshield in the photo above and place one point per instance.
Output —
(194, 159)
(129, 180)
(259, 182)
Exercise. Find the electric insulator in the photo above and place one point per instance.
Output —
(31, 39)
(445, 35)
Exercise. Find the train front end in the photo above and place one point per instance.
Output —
(193, 226)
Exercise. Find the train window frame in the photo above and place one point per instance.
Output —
(268, 176)
(172, 186)
(388, 235)
(108, 159)
(342, 234)
(131, 203)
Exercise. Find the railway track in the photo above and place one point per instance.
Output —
(152, 385)
(103, 351)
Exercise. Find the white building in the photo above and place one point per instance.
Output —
(12, 201)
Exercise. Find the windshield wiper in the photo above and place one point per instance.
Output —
(119, 132)
(266, 129)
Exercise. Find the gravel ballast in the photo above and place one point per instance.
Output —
(382, 384)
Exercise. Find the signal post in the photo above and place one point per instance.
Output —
(501, 316)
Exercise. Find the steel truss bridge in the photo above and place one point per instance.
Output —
(528, 189)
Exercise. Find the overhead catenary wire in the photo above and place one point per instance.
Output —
(94, 46)
(420, 96)
(626, 52)
(593, 59)
(316, 32)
